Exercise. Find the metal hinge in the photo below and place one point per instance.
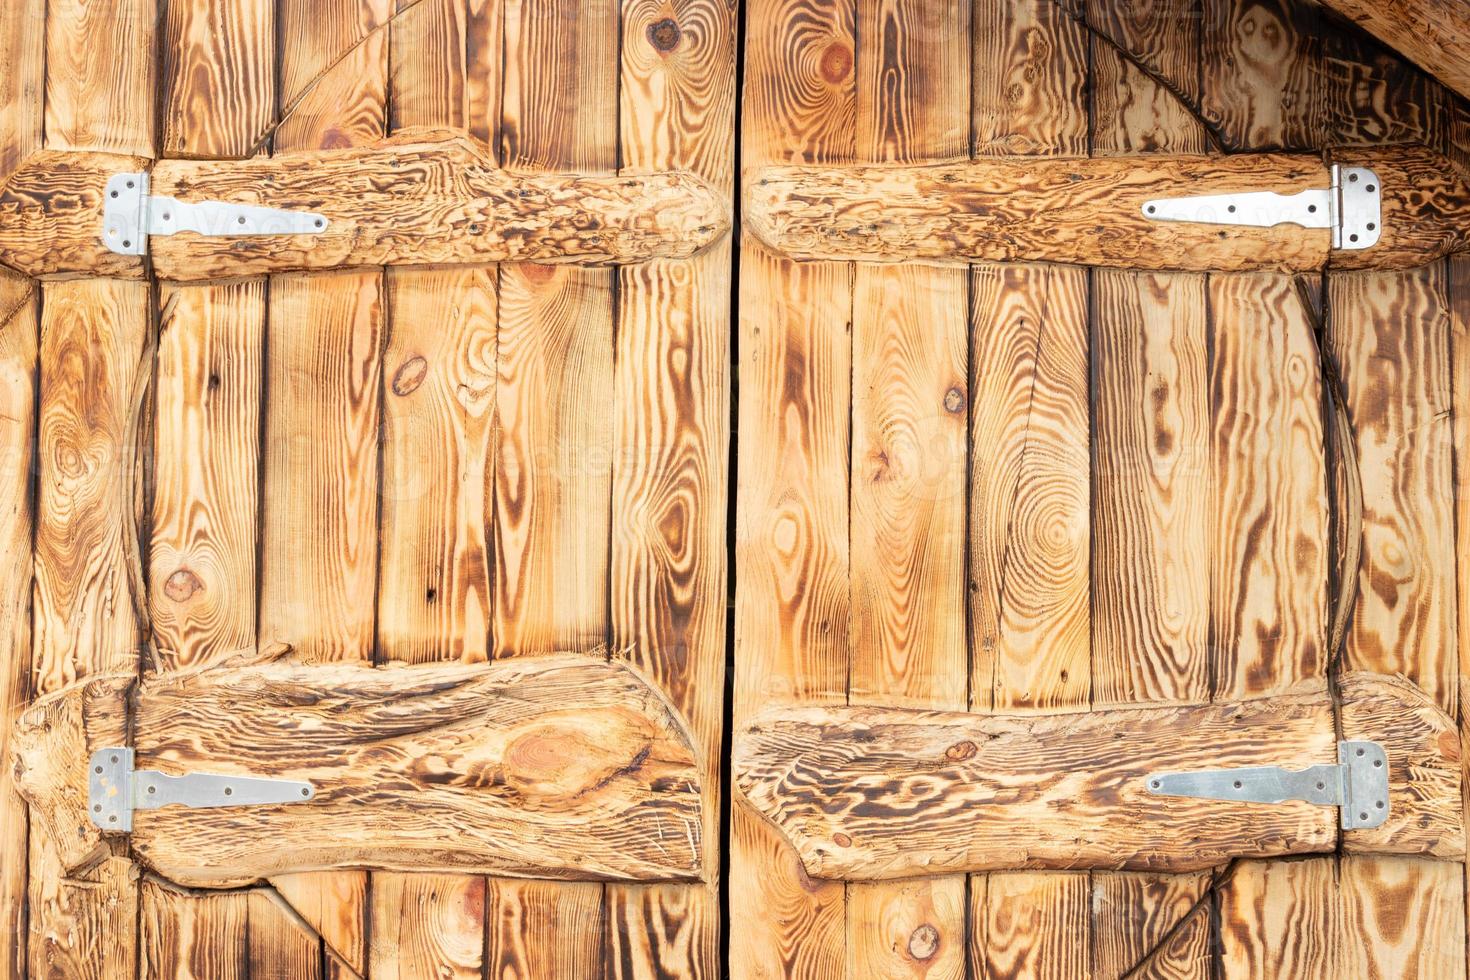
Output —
(115, 789)
(1358, 784)
(130, 214)
(1351, 207)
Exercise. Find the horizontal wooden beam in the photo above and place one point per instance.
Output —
(1090, 212)
(1433, 34)
(871, 793)
(558, 767)
(421, 197)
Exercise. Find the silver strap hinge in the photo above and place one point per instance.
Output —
(115, 789)
(1358, 784)
(1351, 207)
(130, 214)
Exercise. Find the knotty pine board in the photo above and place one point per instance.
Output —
(319, 494)
(670, 480)
(22, 76)
(791, 543)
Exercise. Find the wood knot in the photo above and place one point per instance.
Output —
(664, 35)
(182, 585)
(408, 377)
(836, 63)
(960, 751)
(954, 400)
(841, 839)
(924, 942)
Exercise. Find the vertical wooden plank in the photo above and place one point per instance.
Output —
(1260, 62)
(1268, 603)
(1151, 465)
(218, 76)
(1029, 474)
(1030, 489)
(100, 75)
(553, 493)
(1274, 921)
(427, 925)
(671, 449)
(1139, 923)
(1030, 925)
(279, 948)
(910, 403)
(202, 566)
(434, 577)
(1401, 917)
(1390, 334)
(791, 546)
(194, 936)
(319, 505)
(1458, 270)
(22, 77)
(19, 324)
(544, 929)
(93, 373)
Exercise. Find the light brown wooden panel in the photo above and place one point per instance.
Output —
(1030, 925)
(1134, 915)
(19, 335)
(907, 510)
(671, 447)
(553, 494)
(319, 494)
(218, 76)
(203, 520)
(791, 544)
(1260, 73)
(1459, 288)
(100, 75)
(185, 935)
(427, 925)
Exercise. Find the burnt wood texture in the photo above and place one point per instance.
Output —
(560, 767)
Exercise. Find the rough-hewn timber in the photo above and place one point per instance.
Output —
(869, 793)
(566, 766)
(1091, 211)
(1434, 34)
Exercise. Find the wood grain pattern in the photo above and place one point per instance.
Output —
(1030, 925)
(1401, 917)
(333, 73)
(1434, 34)
(544, 930)
(51, 208)
(799, 103)
(1132, 112)
(566, 766)
(445, 60)
(1389, 332)
(910, 395)
(434, 579)
(202, 554)
(1459, 288)
(912, 928)
(1275, 921)
(553, 491)
(907, 499)
(323, 394)
(671, 395)
(1030, 488)
(1268, 603)
(427, 925)
(1150, 575)
(1029, 80)
(94, 372)
(1132, 916)
(432, 196)
(1261, 72)
(282, 946)
(319, 500)
(100, 102)
(23, 66)
(19, 340)
(186, 935)
(217, 76)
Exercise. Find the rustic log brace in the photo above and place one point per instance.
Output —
(871, 793)
(562, 767)
(1434, 34)
(1092, 211)
(421, 197)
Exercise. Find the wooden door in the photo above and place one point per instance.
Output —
(464, 463)
(1033, 490)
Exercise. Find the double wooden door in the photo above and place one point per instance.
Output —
(333, 524)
